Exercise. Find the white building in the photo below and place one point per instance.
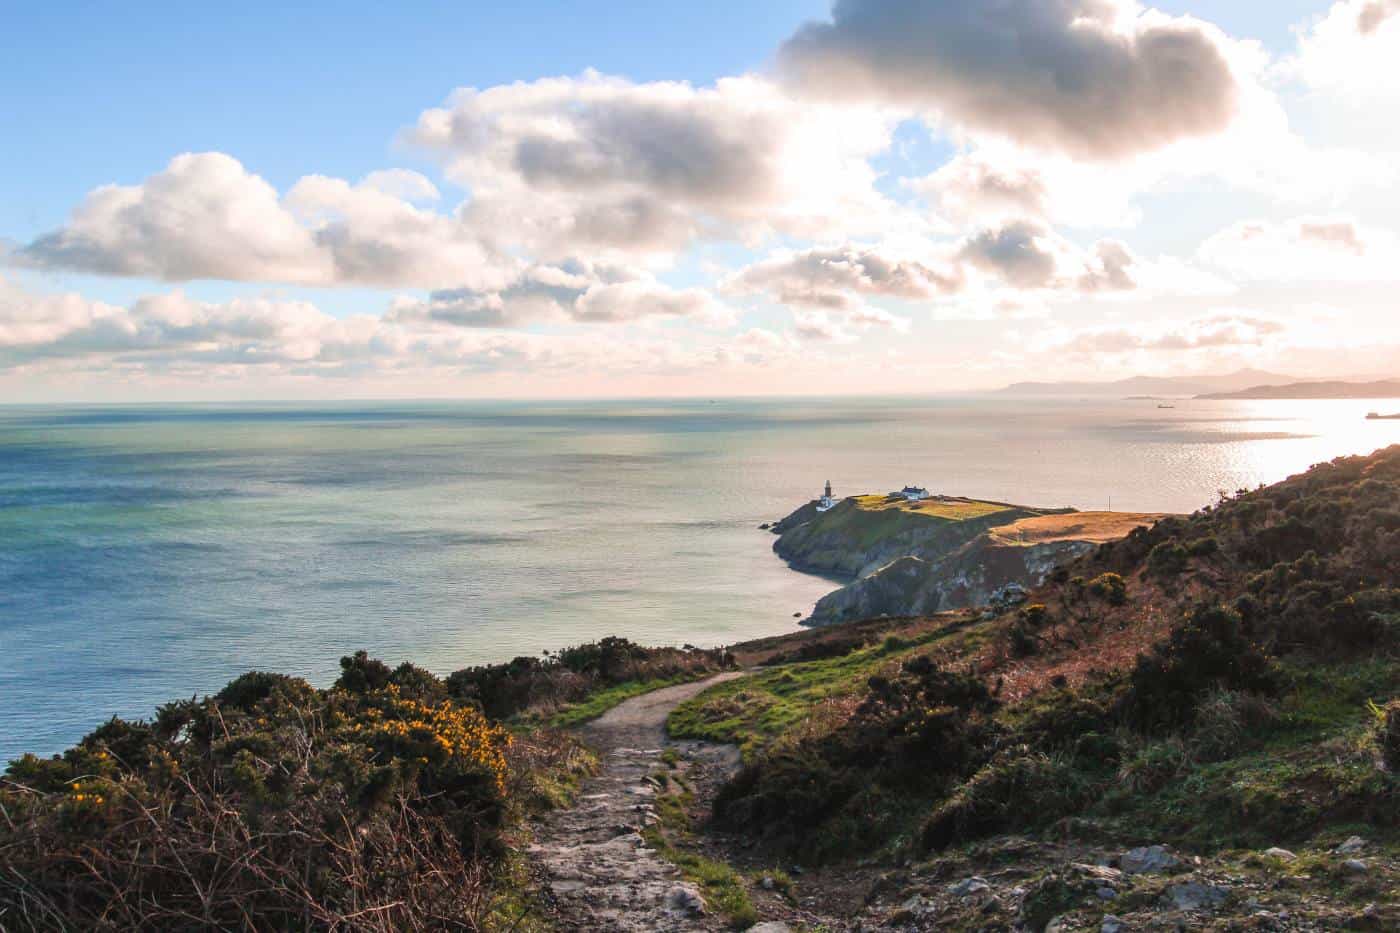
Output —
(914, 493)
(826, 503)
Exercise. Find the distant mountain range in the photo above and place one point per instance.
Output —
(1385, 388)
(1183, 386)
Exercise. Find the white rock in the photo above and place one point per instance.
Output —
(1352, 846)
(1147, 859)
(1278, 853)
(1356, 866)
(771, 926)
(1112, 924)
(968, 887)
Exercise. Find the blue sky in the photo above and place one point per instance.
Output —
(108, 94)
(110, 91)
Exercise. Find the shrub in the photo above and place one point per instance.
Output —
(526, 684)
(269, 804)
(1019, 788)
(1109, 587)
(1023, 643)
(916, 731)
(1228, 722)
(1167, 559)
(1208, 651)
(418, 684)
(1203, 547)
(360, 673)
(1388, 734)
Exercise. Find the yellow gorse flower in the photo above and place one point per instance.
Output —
(459, 732)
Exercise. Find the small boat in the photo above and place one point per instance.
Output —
(1166, 406)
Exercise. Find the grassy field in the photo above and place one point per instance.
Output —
(755, 710)
(952, 510)
(1093, 527)
(600, 702)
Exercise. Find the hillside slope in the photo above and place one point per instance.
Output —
(1225, 686)
(1386, 388)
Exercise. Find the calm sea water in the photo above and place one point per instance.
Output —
(148, 553)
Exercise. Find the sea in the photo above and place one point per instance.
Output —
(154, 552)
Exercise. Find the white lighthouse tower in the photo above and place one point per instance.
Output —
(826, 502)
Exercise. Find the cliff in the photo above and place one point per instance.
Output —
(864, 533)
(913, 558)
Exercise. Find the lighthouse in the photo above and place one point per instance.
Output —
(826, 502)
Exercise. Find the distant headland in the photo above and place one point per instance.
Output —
(1384, 388)
(913, 551)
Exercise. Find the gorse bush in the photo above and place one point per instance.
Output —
(270, 805)
(1167, 559)
(526, 684)
(1110, 587)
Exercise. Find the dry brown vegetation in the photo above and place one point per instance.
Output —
(1093, 527)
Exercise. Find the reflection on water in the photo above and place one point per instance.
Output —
(147, 553)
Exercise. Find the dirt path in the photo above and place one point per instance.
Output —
(598, 868)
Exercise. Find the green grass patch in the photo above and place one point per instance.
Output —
(599, 703)
(752, 711)
(724, 889)
(952, 510)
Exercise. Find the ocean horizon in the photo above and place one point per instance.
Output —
(151, 552)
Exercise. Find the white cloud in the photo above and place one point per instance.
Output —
(570, 165)
(1220, 330)
(833, 327)
(1099, 79)
(206, 217)
(574, 291)
(1305, 249)
(837, 278)
(174, 333)
(1025, 255)
(1352, 51)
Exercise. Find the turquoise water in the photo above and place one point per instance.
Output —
(148, 553)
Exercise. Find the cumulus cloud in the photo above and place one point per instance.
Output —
(1373, 14)
(1209, 332)
(1022, 254)
(38, 327)
(1027, 256)
(832, 327)
(1100, 79)
(837, 278)
(1304, 249)
(573, 291)
(1352, 51)
(972, 187)
(174, 333)
(205, 216)
(564, 165)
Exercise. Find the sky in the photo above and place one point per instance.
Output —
(602, 199)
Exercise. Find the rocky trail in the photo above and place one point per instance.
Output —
(598, 868)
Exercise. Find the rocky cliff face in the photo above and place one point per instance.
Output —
(950, 554)
(853, 541)
(972, 576)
